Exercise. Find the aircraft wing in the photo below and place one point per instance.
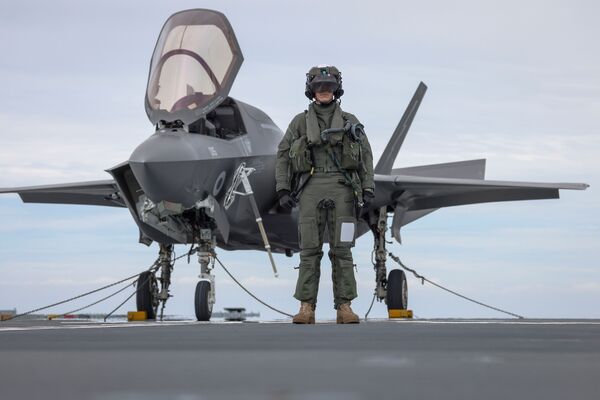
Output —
(95, 193)
(415, 196)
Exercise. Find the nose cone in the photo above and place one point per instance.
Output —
(169, 167)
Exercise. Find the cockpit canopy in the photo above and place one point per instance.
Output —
(195, 62)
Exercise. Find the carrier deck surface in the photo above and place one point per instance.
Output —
(449, 359)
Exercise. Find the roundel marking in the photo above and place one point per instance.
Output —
(219, 183)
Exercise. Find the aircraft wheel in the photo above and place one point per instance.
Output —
(202, 302)
(397, 290)
(145, 297)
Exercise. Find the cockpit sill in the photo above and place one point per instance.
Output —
(224, 122)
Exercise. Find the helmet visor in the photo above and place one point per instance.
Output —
(318, 87)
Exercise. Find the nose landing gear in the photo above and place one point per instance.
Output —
(153, 292)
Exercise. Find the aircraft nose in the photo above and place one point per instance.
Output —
(169, 167)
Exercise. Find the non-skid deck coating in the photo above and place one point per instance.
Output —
(437, 359)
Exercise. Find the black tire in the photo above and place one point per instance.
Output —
(143, 297)
(203, 310)
(397, 290)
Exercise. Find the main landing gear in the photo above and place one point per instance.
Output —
(148, 296)
(393, 290)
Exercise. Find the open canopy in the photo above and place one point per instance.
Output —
(195, 62)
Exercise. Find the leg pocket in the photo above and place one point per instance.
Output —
(345, 232)
(309, 233)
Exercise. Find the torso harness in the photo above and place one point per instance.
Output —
(302, 157)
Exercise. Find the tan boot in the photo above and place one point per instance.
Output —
(306, 314)
(345, 315)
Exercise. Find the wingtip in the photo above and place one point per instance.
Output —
(580, 186)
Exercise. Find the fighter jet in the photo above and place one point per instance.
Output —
(206, 176)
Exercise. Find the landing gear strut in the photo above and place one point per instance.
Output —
(379, 231)
(393, 289)
(149, 296)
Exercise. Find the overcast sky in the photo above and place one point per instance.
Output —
(517, 83)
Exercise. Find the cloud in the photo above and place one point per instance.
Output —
(586, 287)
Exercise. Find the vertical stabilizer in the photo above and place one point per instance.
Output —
(386, 162)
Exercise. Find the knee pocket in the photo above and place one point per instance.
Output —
(340, 252)
(341, 257)
(310, 259)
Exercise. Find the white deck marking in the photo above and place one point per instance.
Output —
(107, 325)
(501, 322)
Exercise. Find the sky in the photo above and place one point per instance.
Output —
(517, 83)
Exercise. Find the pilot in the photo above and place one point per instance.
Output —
(325, 163)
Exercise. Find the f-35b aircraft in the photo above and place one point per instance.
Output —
(180, 184)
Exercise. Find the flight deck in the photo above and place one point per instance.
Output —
(450, 359)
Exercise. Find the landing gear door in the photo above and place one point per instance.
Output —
(195, 62)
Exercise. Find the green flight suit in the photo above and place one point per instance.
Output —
(325, 202)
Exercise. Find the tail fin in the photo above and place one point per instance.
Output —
(386, 162)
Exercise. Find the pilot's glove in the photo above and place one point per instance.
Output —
(368, 197)
(285, 199)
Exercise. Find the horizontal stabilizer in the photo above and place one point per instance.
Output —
(386, 162)
(96, 193)
(424, 193)
(412, 196)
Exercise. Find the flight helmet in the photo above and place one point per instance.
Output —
(322, 77)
